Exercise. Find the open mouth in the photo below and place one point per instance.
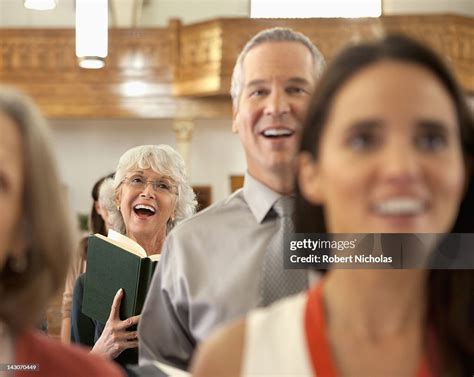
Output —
(144, 210)
(273, 133)
(400, 207)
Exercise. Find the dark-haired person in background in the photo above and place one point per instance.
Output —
(97, 223)
(385, 149)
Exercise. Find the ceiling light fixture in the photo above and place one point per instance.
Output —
(91, 33)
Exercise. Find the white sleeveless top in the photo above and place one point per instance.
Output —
(275, 340)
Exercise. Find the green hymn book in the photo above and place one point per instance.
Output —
(116, 262)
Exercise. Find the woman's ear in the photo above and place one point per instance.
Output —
(118, 196)
(173, 212)
(309, 181)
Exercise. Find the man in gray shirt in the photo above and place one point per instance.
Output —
(211, 266)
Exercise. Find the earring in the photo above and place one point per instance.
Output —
(18, 264)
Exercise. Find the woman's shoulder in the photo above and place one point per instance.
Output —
(275, 341)
(56, 359)
(221, 353)
(256, 344)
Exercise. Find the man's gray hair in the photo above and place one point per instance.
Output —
(277, 34)
(162, 159)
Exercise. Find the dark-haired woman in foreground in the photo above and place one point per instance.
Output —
(387, 148)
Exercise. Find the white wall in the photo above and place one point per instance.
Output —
(464, 7)
(158, 12)
(88, 149)
(216, 154)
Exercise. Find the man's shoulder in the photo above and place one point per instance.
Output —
(213, 215)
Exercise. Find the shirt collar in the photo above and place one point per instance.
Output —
(260, 198)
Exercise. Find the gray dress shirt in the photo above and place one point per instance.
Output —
(209, 273)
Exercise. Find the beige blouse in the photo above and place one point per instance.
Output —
(78, 266)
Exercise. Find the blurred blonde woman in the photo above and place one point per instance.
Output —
(36, 240)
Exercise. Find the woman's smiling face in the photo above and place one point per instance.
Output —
(147, 201)
(390, 158)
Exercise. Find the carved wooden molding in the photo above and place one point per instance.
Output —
(200, 49)
(211, 48)
(43, 63)
(135, 83)
(184, 71)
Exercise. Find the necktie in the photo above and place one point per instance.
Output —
(276, 281)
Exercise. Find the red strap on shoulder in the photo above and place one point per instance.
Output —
(315, 329)
(317, 341)
(424, 369)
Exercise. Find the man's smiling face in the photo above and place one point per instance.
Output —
(277, 84)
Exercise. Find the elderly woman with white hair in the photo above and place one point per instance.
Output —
(147, 197)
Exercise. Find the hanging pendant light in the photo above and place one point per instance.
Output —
(40, 4)
(91, 33)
